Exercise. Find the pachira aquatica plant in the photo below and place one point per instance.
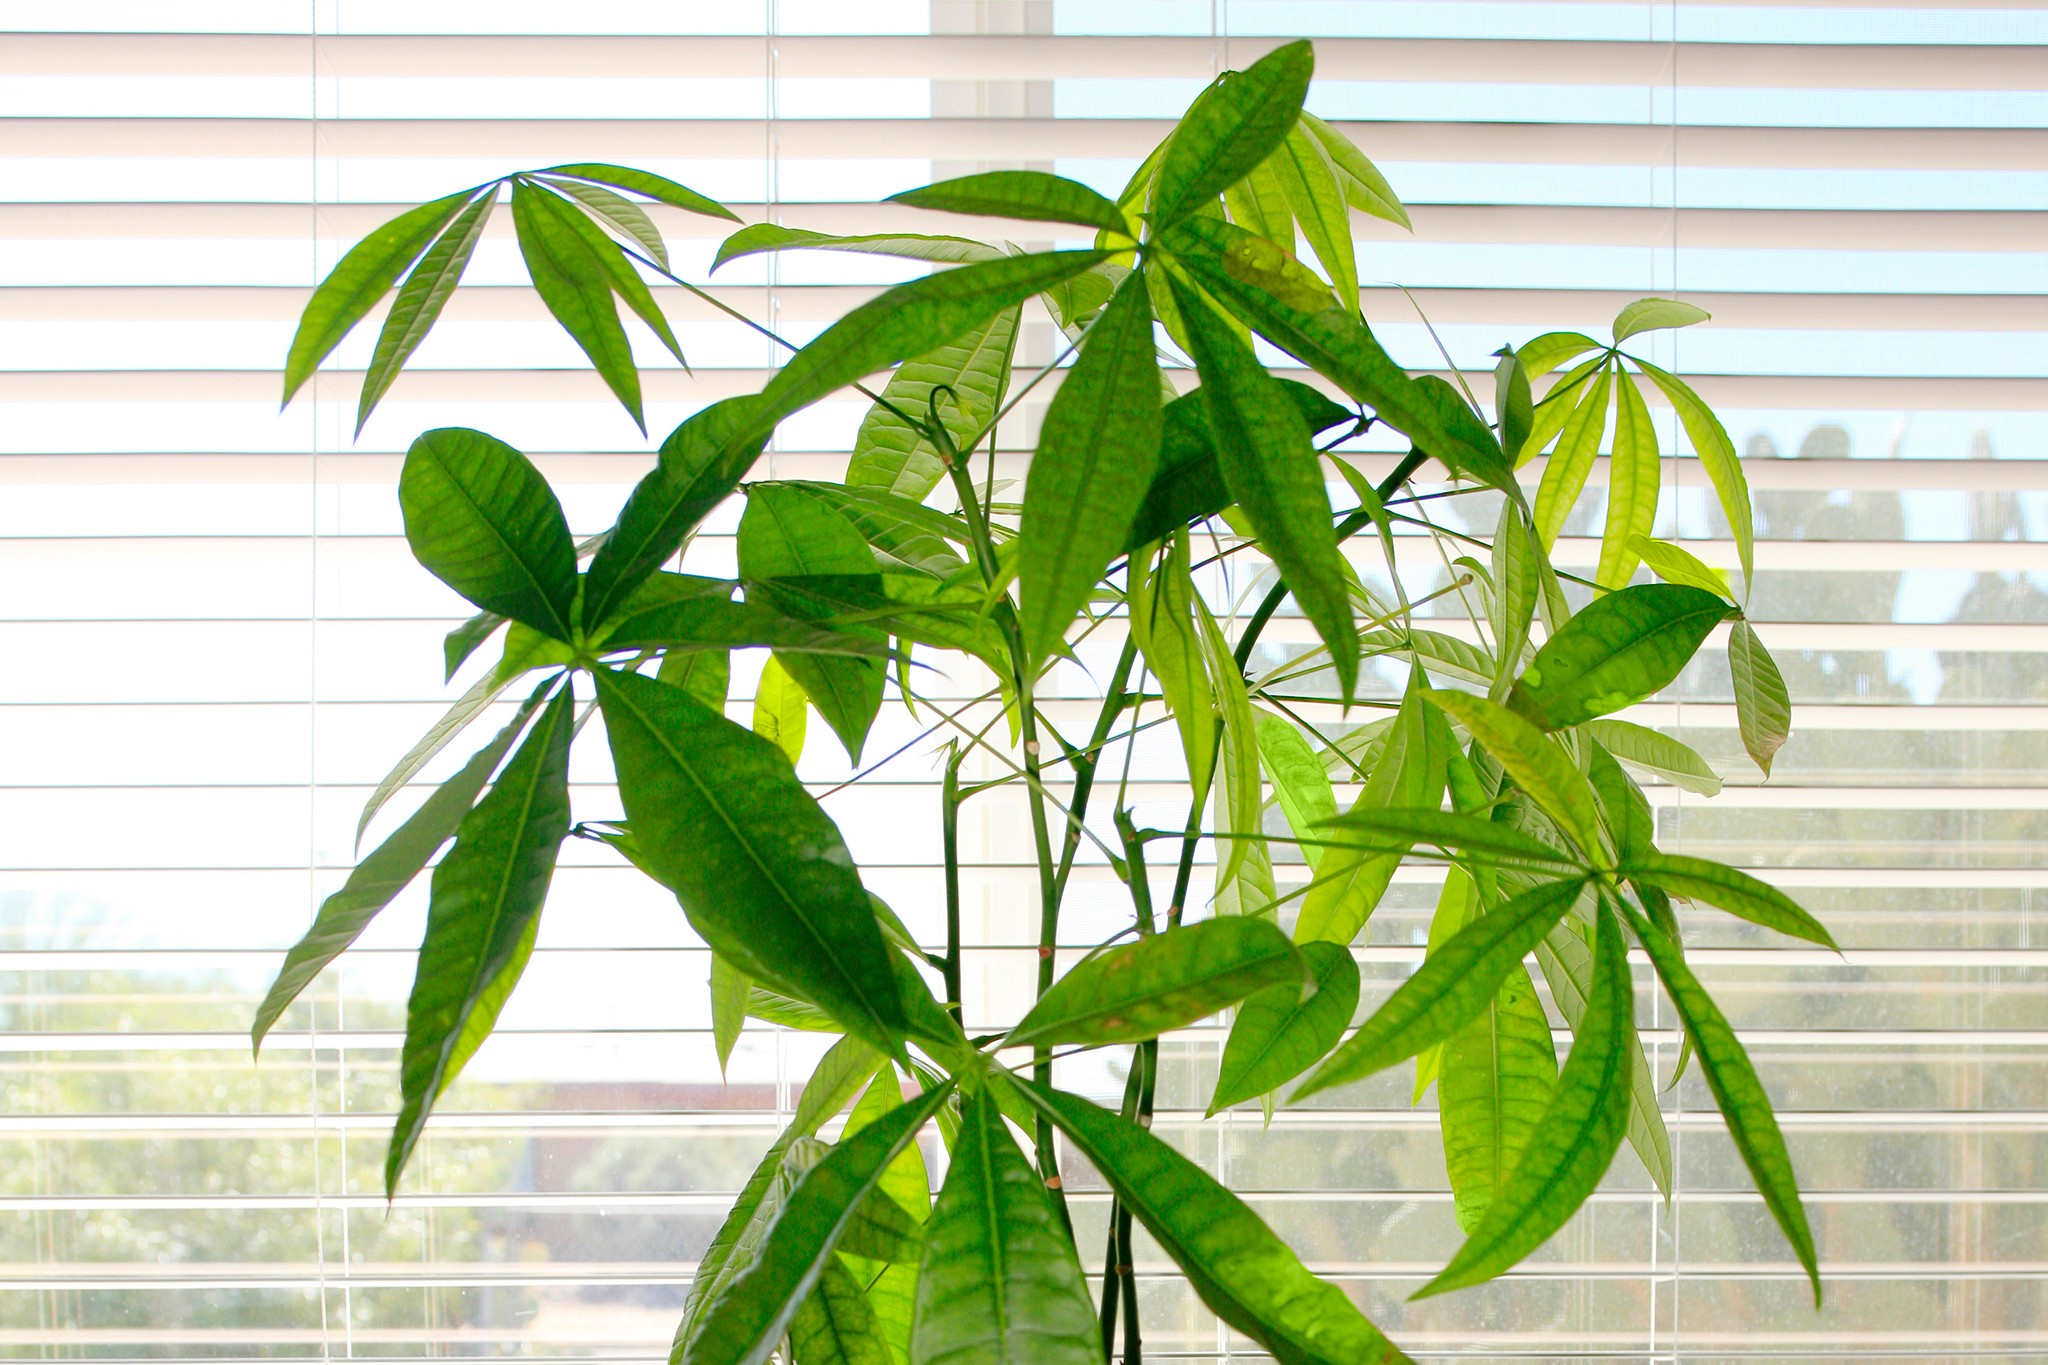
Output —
(1167, 444)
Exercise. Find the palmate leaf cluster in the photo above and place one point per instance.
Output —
(1503, 759)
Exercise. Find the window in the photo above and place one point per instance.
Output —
(216, 640)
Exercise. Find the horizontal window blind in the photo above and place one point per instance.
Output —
(218, 642)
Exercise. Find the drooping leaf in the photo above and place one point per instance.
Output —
(902, 534)
(910, 320)
(1240, 793)
(572, 282)
(759, 237)
(1166, 981)
(1656, 752)
(1516, 586)
(1451, 987)
(481, 921)
(787, 532)
(1649, 315)
(483, 520)
(1310, 184)
(1262, 446)
(388, 870)
(1575, 1140)
(1033, 195)
(1000, 1284)
(1240, 1269)
(362, 277)
(837, 1078)
(1577, 447)
(966, 376)
(1737, 1093)
(1725, 888)
(1277, 1035)
(658, 188)
(420, 300)
(1716, 455)
(759, 868)
(1397, 827)
(1162, 620)
(781, 710)
(623, 275)
(1763, 707)
(701, 462)
(836, 1325)
(1623, 648)
(1513, 404)
(729, 988)
(1538, 766)
(1634, 476)
(1408, 772)
(743, 1326)
(1496, 1077)
(1299, 780)
(1231, 127)
(1189, 483)
(1364, 187)
(1096, 453)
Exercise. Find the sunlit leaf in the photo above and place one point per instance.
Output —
(1496, 1077)
(1727, 889)
(1557, 407)
(1315, 196)
(759, 237)
(1538, 766)
(1763, 707)
(1277, 1035)
(1516, 587)
(483, 520)
(481, 920)
(1162, 620)
(1623, 648)
(616, 212)
(1299, 780)
(571, 279)
(1577, 447)
(1634, 475)
(1716, 455)
(1676, 564)
(780, 710)
(1656, 752)
(835, 1324)
(655, 187)
(420, 300)
(1364, 187)
(1243, 805)
(729, 987)
(967, 376)
(1397, 827)
(1230, 128)
(1649, 315)
(1033, 195)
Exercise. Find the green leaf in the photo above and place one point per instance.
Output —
(912, 319)
(1273, 473)
(1545, 353)
(1516, 586)
(1496, 1077)
(1258, 204)
(1536, 763)
(747, 1321)
(835, 1324)
(1097, 450)
(1240, 1269)
(1167, 981)
(1579, 445)
(1623, 648)
(481, 921)
(1453, 985)
(1557, 408)
(713, 622)
(1364, 187)
(1634, 474)
(967, 376)
(758, 866)
(902, 534)
(1248, 275)
(655, 187)
(1738, 893)
(1676, 564)
(1309, 182)
(1649, 315)
(1189, 483)
(1656, 752)
(1243, 806)
(1032, 195)
(1763, 708)
(1000, 1284)
(904, 1190)
(780, 710)
(1397, 827)
(1230, 128)
(616, 212)
(1577, 1137)
(759, 237)
(1513, 403)
(1737, 1092)
(1162, 620)
(483, 520)
(729, 988)
(787, 532)
(379, 878)
(1299, 780)
(360, 279)
(837, 1078)
(621, 273)
(1717, 456)
(1408, 772)
(572, 281)
(458, 644)
(705, 674)
(1278, 1035)
(420, 300)
(701, 462)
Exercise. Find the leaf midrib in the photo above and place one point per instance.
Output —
(462, 489)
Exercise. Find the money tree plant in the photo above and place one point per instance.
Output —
(1488, 743)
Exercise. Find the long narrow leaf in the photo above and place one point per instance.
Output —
(420, 300)
(572, 282)
(1634, 474)
(1623, 648)
(1033, 195)
(1277, 1035)
(1231, 127)
(645, 182)
(1716, 455)
(1538, 766)
(1725, 888)
(1763, 706)
(1495, 1078)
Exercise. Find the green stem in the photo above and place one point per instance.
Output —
(949, 797)
(1087, 760)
